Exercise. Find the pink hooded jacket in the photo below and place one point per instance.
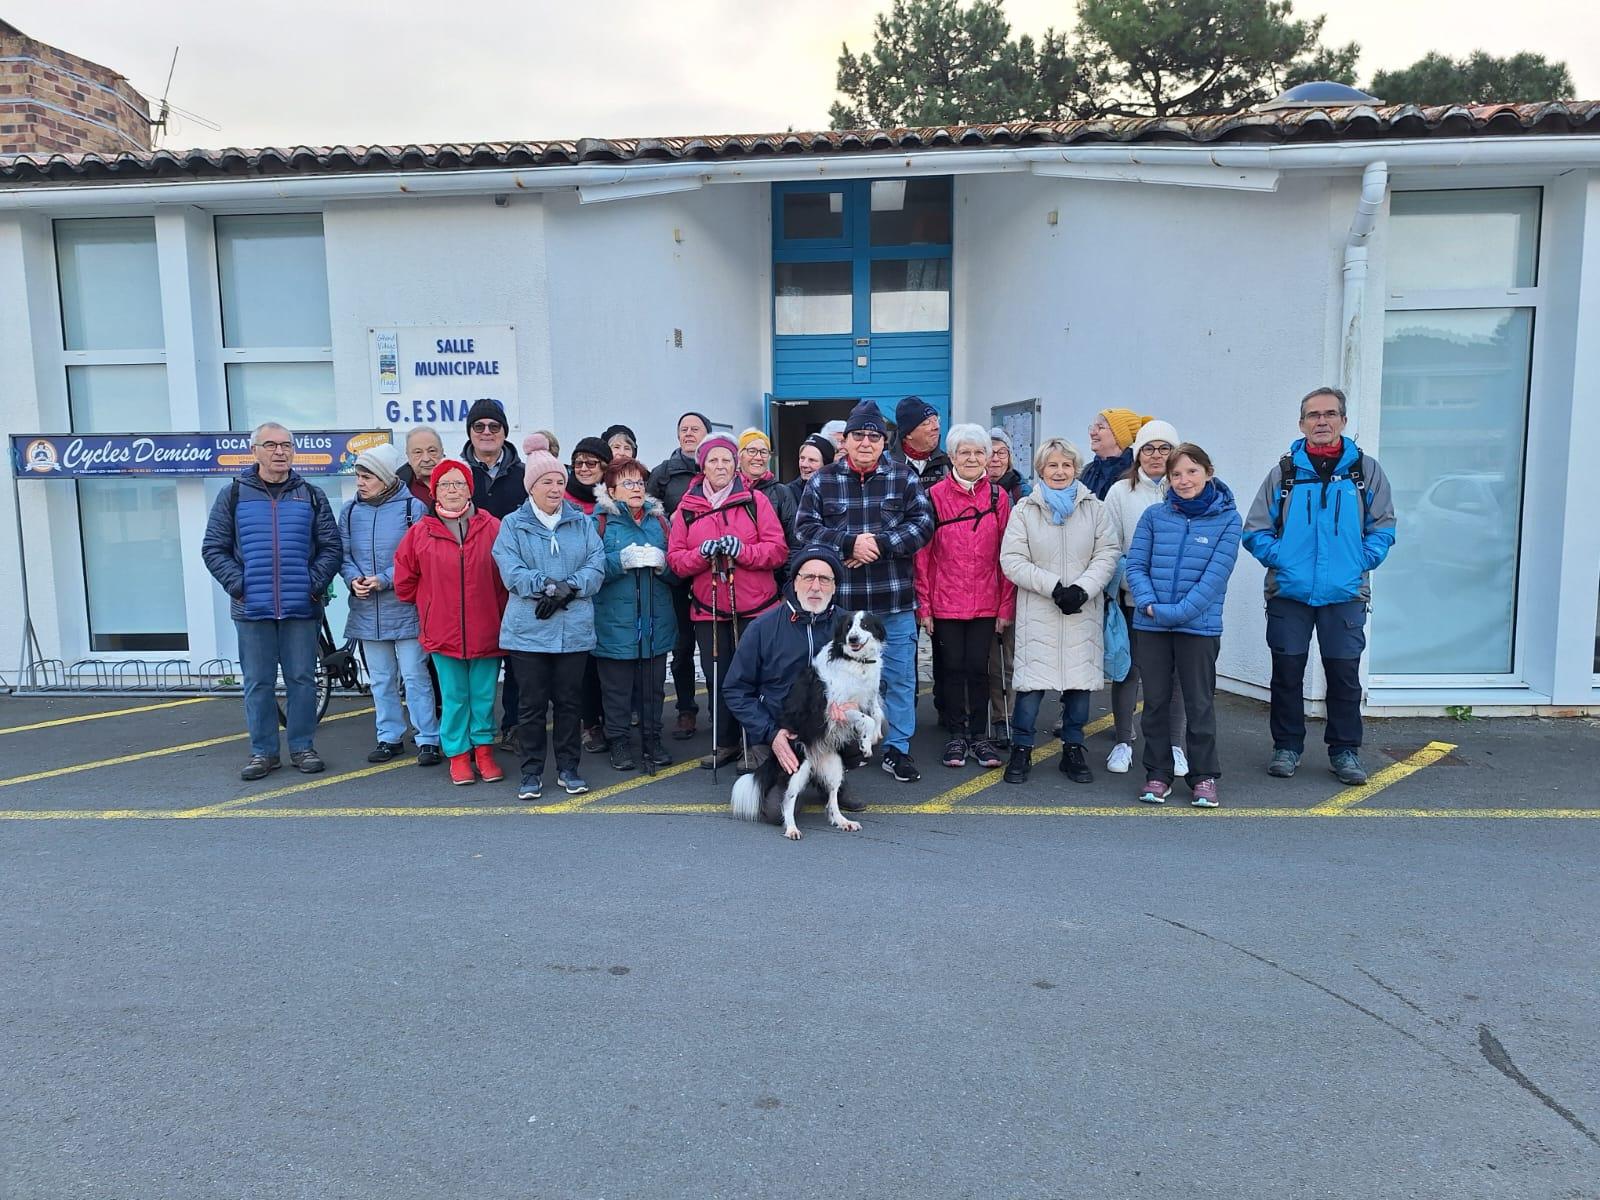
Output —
(958, 572)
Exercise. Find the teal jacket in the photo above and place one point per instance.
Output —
(619, 625)
(529, 556)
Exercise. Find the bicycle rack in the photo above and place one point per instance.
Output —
(173, 674)
(98, 667)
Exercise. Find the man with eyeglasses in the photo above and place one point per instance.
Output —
(871, 511)
(1321, 521)
(773, 649)
(273, 544)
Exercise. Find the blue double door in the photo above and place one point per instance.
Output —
(861, 301)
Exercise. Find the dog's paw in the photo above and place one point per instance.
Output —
(845, 825)
(793, 833)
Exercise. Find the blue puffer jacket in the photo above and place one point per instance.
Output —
(1181, 564)
(528, 556)
(617, 627)
(274, 551)
(371, 533)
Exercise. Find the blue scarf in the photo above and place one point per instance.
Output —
(1199, 505)
(1061, 501)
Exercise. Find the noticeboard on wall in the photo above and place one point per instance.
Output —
(1021, 423)
(432, 374)
(98, 455)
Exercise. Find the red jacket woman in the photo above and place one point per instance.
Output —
(456, 586)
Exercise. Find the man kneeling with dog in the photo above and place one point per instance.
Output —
(774, 649)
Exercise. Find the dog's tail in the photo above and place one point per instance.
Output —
(746, 802)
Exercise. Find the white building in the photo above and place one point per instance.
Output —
(1442, 264)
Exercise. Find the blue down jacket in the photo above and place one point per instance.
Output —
(1181, 564)
(371, 533)
(274, 551)
(528, 556)
(618, 625)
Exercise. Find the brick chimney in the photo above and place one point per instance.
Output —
(52, 102)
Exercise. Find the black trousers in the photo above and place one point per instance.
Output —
(591, 709)
(1341, 638)
(1194, 659)
(510, 705)
(961, 660)
(546, 681)
(727, 728)
(683, 652)
(619, 690)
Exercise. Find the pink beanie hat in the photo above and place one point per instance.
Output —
(538, 459)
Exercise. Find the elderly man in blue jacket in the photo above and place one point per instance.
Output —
(1322, 520)
(273, 544)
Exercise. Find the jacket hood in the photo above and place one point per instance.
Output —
(1221, 503)
(606, 503)
(523, 518)
(251, 476)
(513, 462)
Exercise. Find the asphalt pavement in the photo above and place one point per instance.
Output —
(369, 983)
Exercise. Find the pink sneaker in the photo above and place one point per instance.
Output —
(1205, 794)
(1155, 792)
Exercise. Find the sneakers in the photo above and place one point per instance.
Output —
(987, 754)
(385, 751)
(1120, 759)
(900, 764)
(483, 758)
(1347, 766)
(719, 757)
(1019, 766)
(656, 754)
(1074, 764)
(429, 756)
(1155, 791)
(686, 727)
(955, 752)
(531, 788)
(258, 767)
(1180, 762)
(461, 772)
(1284, 764)
(1205, 794)
(594, 740)
(621, 757)
(309, 762)
(572, 782)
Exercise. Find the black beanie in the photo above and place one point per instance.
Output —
(704, 420)
(817, 550)
(594, 446)
(487, 410)
(633, 439)
(866, 415)
(822, 445)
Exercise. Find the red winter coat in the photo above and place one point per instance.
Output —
(457, 588)
(765, 549)
(958, 572)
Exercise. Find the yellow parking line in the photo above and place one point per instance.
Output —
(58, 772)
(100, 716)
(945, 801)
(212, 810)
(1392, 774)
(627, 785)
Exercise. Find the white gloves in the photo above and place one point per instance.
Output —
(635, 557)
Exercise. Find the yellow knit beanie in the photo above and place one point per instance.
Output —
(1125, 424)
(753, 435)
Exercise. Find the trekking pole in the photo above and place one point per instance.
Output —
(716, 744)
(733, 616)
(646, 641)
(1005, 683)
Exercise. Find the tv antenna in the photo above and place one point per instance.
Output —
(165, 108)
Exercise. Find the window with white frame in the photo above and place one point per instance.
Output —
(114, 355)
(1463, 301)
(277, 344)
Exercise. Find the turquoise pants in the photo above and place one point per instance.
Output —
(466, 702)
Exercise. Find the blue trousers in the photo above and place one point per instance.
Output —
(1074, 715)
(264, 648)
(899, 686)
(388, 662)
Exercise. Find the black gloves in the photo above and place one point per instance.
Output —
(1069, 599)
(557, 595)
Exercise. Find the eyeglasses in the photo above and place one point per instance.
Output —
(452, 485)
(586, 461)
(1327, 414)
(632, 482)
(756, 452)
(275, 447)
(486, 427)
(865, 435)
(1156, 448)
(810, 579)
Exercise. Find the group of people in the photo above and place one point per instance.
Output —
(579, 581)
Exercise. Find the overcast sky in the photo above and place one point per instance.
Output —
(334, 71)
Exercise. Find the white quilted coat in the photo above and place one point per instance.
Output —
(1056, 652)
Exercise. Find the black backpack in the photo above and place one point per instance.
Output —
(977, 515)
(1289, 476)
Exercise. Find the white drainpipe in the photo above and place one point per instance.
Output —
(1374, 184)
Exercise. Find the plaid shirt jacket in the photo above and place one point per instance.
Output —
(839, 502)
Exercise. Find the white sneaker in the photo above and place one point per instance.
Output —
(1180, 763)
(1120, 758)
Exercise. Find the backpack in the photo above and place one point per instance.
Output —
(1288, 477)
(978, 515)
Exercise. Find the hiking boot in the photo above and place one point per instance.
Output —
(1019, 766)
(955, 752)
(461, 772)
(572, 782)
(1347, 766)
(483, 758)
(1180, 762)
(307, 762)
(258, 767)
(429, 756)
(508, 739)
(849, 801)
(754, 758)
(719, 757)
(594, 740)
(622, 757)
(686, 727)
(1155, 791)
(901, 765)
(987, 754)
(1074, 764)
(1284, 764)
(1205, 794)
(656, 754)
(531, 787)
(1120, 759)
(385, 751)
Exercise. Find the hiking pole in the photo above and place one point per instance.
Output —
(1005, 683)
(733, 616)
(716, 744)
(639, 590)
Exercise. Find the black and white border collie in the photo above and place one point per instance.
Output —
(834, 706)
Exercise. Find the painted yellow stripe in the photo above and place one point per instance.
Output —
(946, 801)
(627, 785)
(58, 772)
(1390, 775)
(292, 789)
(100, 716)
